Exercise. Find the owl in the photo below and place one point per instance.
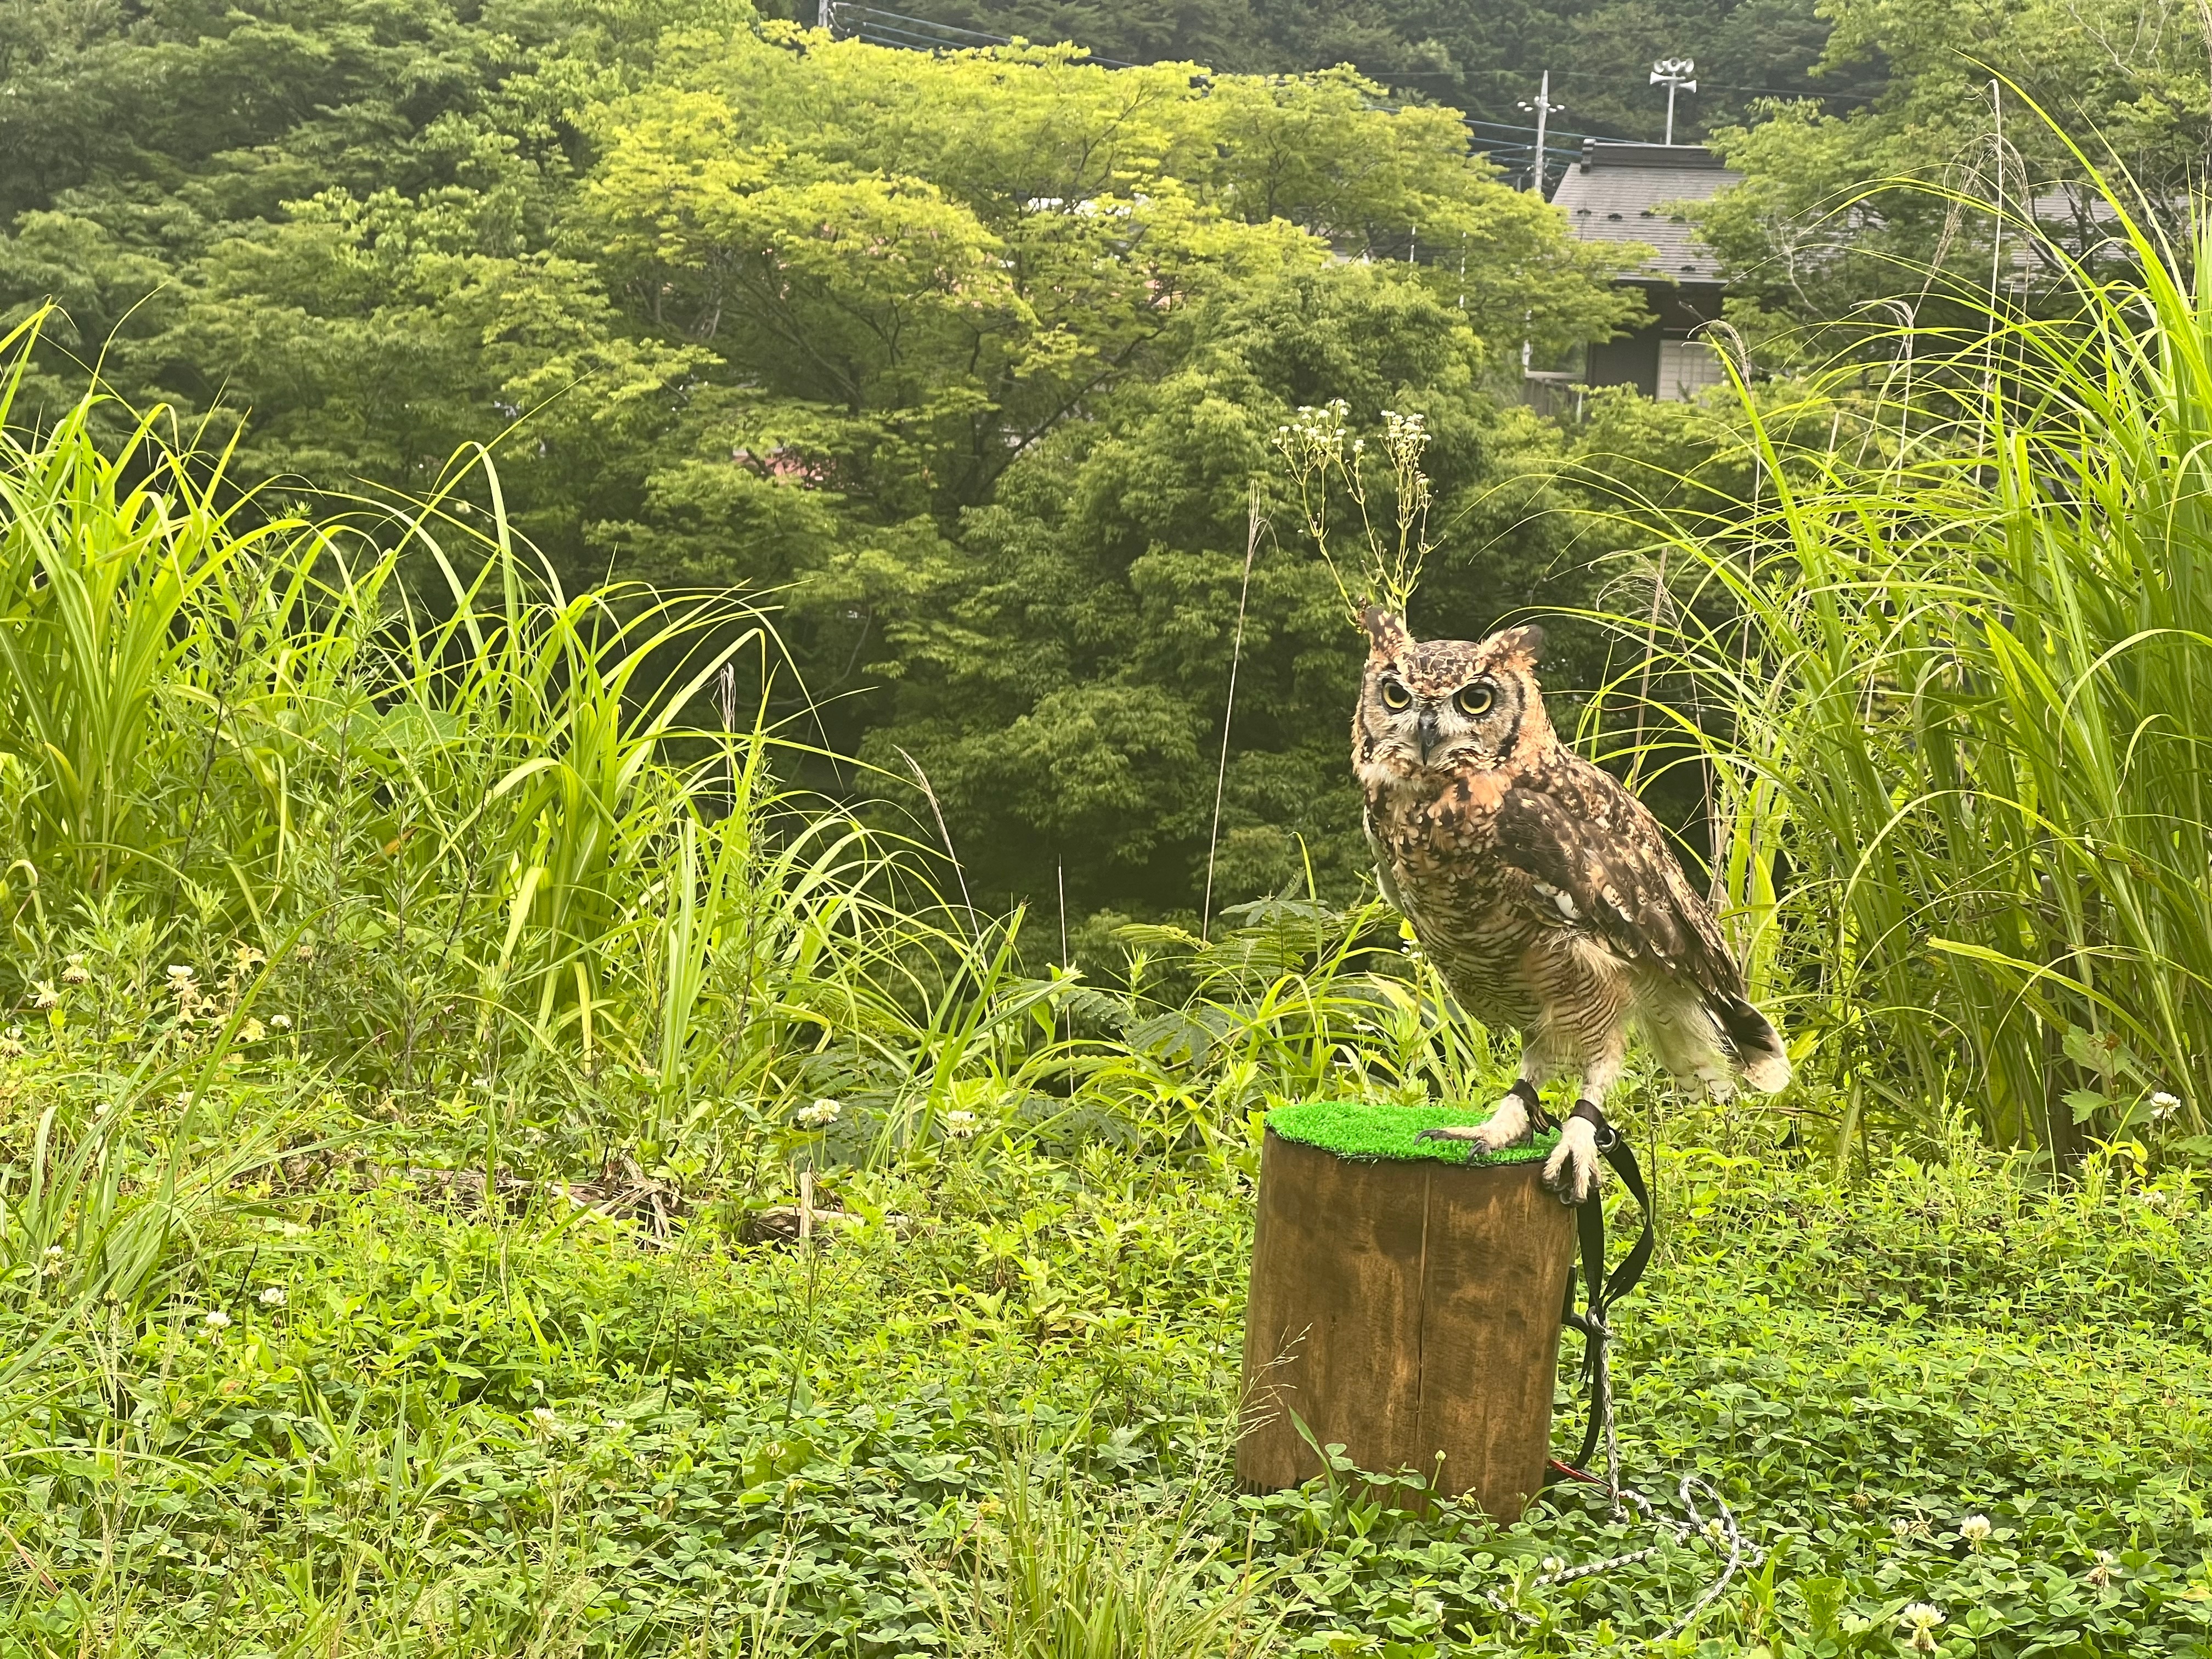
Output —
(1544, 892)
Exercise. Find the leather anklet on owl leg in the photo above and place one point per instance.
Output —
(1521, 1111)
(1571, 1169)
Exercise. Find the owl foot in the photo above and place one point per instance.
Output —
(1571, 1169)
(1507, 1126)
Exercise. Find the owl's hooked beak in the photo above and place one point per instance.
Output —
(1428, 730)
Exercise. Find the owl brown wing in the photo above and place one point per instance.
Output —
(1597, 859)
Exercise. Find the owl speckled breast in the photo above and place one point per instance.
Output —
(1440, 856)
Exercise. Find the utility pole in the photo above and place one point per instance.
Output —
(1673, 74)
(1545, 109)
(825, 18)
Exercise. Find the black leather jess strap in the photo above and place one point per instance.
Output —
(1605, 1289)
(1532, 1102)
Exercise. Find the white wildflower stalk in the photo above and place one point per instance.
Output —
(1321, 456)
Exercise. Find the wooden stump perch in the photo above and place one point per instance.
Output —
(1405, 1304)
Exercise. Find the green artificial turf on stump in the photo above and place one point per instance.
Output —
(1373, 1131)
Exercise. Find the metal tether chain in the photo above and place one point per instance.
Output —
(1720, 1529)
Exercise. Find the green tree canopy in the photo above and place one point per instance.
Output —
(969, 360)
(2015, 101)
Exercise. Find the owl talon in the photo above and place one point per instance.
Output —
(1508, 1125)
(1571, 1169)
(1455, 1131)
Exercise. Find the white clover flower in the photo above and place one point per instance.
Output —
(2101, 1574)
(1975, 1530)
(217, 1320)
(543, 1418)
(615, 1425)
(280, 1022)
(273, 1297)
(100, 1109)
(820, 1115)
(53, 1264)
(962, 1125)
(1920, 1620)
(2164, 1106)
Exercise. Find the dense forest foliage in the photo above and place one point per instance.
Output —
(1485, 59)
(968, 364)
(969, 361)
(1850, 214)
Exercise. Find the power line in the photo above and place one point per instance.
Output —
(862, 25)
(1522, 76)
(862, 22)
(1524, 126)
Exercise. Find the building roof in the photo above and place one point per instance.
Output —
(1619, 192)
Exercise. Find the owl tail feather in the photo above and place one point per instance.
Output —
(1759, 1054)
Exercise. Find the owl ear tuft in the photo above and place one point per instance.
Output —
(1385, 631)
(1526, 641)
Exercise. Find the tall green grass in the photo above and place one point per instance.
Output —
(360, 768)
(469, 813)
(1963, 654)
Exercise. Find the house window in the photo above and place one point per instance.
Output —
(1686, 368)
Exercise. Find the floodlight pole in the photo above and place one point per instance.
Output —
(1673, 74)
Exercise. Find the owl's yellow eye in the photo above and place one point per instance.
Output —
(1473, 700)
(1395, 697)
